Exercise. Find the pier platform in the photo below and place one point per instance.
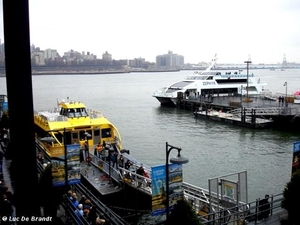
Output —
(275, 219)
(235, 119)
(285, 115)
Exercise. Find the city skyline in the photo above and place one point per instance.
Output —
(235, 30)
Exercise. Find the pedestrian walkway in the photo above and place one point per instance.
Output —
(275, 219)
(6, 175)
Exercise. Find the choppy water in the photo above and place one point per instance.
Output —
(214, 149)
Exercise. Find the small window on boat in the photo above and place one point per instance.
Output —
(71, 113)
(83, 112)
(63, 112)
(74, 135)
(105, 133)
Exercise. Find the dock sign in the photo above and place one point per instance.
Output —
(296, 157)
(159, 187)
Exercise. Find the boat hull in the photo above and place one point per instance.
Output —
(166, 101)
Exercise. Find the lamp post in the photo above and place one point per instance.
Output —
(178, 160)
(285, 84)
(247, 77)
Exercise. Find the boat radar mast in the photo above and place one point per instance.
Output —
(213, 63)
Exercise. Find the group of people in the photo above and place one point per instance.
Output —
(84, 209)
(4, 143)
(281, 99)
(108, 154)
(6, 202)
(140, 171)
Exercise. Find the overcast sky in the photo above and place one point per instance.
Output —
(265, 30)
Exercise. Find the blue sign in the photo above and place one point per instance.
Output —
(296, 157)
(296, 146)
(5, 106)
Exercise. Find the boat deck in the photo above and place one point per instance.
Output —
(98, 179)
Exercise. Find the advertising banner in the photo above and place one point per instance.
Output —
(59, 160)
(4, 107)
(73, 163)
(159, 187)
(296, 157)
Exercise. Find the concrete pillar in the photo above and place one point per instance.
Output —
(20, 102)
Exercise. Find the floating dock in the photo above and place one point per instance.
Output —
(285, 115)
(235, 119)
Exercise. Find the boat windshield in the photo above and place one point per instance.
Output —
(178, 85)
(71, 113)
(193, 77)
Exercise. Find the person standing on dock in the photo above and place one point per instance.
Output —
(98, 150)
(86, 149)
(1, 161)
(121, 161)
(140, 171)
(264, 208)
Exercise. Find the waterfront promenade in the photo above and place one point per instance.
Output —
(274, 219)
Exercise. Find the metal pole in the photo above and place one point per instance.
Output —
(167, 183)
(286, 94)
(247, 77)
(109, 165)
(66, 161)
(241, 94)
(178, 160)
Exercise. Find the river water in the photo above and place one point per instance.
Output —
(213, 149)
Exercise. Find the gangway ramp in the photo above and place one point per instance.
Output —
(199, 198)
(196, 195)
(258, 111)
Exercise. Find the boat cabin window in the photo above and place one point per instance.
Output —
(83, 112)
(75, 137)
(105, 133)
(78, 112)
(71, 113)
(63, 112)
(82, 135)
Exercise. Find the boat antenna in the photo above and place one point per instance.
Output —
(213, 63)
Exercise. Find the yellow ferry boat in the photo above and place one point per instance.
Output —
(72, 123)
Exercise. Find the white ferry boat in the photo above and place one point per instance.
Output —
(210, 83)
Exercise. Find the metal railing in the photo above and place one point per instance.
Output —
(252, 212)
(103, 210)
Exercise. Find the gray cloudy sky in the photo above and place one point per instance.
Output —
(196, 29)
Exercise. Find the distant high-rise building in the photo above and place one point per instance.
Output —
(38, 58)
(50, 53)
(137, 62)
(106, 57)
(169, 61)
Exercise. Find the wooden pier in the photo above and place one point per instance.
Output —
(246, 112)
